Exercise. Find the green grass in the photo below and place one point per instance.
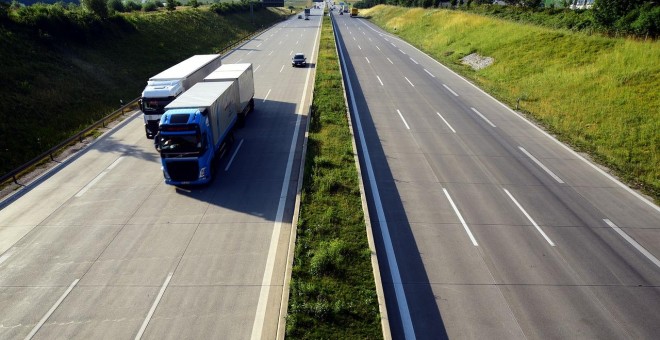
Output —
(598, 94)
(333, 293)
(51, 88)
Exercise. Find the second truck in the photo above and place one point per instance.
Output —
(164, 87)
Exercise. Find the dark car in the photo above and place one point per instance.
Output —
(298, 60)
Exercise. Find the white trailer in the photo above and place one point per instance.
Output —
(162, 88)
(243, 75)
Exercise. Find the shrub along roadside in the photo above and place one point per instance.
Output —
(598, 94)
(72, 81)
(333, 294)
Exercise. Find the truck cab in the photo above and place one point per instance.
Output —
(152, 103)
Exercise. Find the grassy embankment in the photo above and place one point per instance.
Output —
(333, 293)
(51, 87)
(598, 94)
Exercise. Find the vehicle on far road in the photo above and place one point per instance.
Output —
(298, 60)
(354, 12)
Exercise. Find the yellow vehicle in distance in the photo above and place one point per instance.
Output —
(354, 12)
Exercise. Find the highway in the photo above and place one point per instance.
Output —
(102, 248)
(486, 227)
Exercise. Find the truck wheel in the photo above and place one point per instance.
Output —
(241, 120)
(252, 104)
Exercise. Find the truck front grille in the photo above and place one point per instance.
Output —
(183, 171)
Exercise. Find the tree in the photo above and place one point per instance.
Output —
(608, 12)
(171, 5)
(193, 3)
(116, 5)
(98, 7)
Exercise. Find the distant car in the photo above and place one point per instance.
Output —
(299, 16)
(299, 60)
(341, 13)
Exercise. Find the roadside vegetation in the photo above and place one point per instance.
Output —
(596, 93)
(633, 18)
(333, 295)
(64, 66)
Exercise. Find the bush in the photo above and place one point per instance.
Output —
(98, 7)
(149, 6)
(193, 3)
(131, 6)
(116, 5)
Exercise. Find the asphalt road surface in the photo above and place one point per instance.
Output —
(102, 248)
(486, 227)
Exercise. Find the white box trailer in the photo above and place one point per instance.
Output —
(162, 88)
(243, 75)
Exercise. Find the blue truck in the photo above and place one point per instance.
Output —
(195, 130)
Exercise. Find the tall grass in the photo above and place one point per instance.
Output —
(333, 293)
(51, 87)
(599, 94)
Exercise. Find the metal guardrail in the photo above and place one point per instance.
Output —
(50, 153)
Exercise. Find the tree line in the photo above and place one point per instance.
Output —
(636, 18)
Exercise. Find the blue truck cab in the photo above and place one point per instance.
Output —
(195, 130)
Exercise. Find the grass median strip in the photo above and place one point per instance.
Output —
(333, 294)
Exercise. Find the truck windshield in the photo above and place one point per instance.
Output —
(180, 143)
(155, 104)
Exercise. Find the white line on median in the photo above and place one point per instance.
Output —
(529, 218)
(388, 59)
(234, 155)
(378, 48)
(552, 174)
(444, 120)
(266, 97)
(380, 81)
(153, 307)
(359, 47)
(271, 52)
(52, 309)
(282, 69)
(409, 82)
(399, 292)
(460, 218)
(403, 119)
(257, 69)
(450, 90)
(400, 50)
(633, 242)
(430, 74)
(483, 117)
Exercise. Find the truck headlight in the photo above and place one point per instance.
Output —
(202, 172)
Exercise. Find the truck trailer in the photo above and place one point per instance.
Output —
(195, 130)
(244, 76)
(164, 87)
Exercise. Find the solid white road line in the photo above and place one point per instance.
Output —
(153, 307)
(380, 81)
(399, 292)
(552, 174)
(6, 255)
(430, 74)
(266, 282)
(460, 217)
(234, 155)
(403, 119)
(409, 82)
(483, 117)
(529, 218)
(266, 96)
(450, 90)
(444, 120)
(633, 243)
(51, 310)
